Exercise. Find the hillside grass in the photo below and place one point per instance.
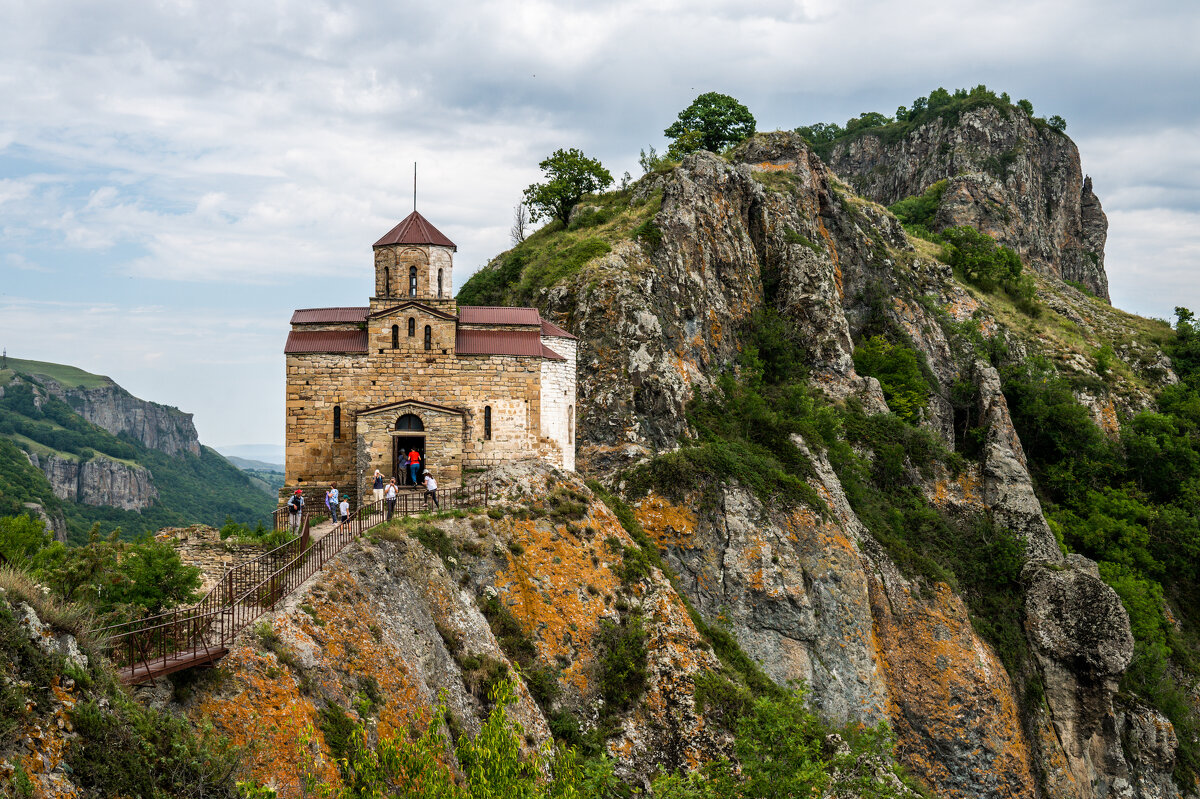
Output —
(555, 253)
(69, 376)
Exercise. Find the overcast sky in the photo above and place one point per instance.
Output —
(176, 177)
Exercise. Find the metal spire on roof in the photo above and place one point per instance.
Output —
(414, 185)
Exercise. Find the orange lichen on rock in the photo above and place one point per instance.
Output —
(951, 702)
(47, 741)
(561, 584)
(962, 491)
(665, 522)
(1107, 418)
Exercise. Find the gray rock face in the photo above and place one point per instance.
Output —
(1081, 637)
(99, 481)
(1019, 182)
(160, 427)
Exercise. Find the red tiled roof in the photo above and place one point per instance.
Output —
(325, 341)
(309, 316)
(551, 354)
(415, 229)
(551, 329)
(499, 342)
(497, 315)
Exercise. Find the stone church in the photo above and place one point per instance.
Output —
(468, 387)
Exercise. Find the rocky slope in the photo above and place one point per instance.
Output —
(98, 481)
(810, 593)
(1006, 175)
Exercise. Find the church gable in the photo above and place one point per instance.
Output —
(411, 406)
(413, 307)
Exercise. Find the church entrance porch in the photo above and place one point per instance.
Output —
(386, 434)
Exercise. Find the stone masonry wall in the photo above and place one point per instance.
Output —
(317, 382)
(376, 448)
(559, 404)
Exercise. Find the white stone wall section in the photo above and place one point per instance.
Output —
(560, 422)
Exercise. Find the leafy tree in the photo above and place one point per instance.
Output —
(899, 374)
(21, 538)
(711, 122)
(569, 176)
(1057, 123)
(1025, 106)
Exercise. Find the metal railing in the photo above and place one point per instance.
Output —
(158, 645)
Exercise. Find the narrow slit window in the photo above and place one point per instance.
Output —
(412, 327)
(439, 282)
(428, 337)
(395, 337)
(412, 281)
(337, 421)
(570, 424)
(387, 281)
(487, 423)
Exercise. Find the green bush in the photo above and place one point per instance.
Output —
(623, 662)
(898, 369)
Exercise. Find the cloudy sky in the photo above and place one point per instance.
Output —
(176, 177)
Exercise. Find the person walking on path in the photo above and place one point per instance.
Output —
(295, 508)
(414, 465)
(333, 504)
(389, 494)
(344, 508)
(329, 503)
(431, 491)
(377, 485)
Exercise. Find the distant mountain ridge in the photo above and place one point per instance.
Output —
(86, 450)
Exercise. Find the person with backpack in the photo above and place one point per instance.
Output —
(331, 500)
(295, 509)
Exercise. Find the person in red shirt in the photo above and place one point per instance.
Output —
(414, 465)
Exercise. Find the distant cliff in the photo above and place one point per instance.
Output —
(98, 481)
(1006, 174)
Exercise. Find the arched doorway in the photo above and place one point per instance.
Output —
(409, 436)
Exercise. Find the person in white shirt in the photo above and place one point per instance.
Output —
(431, 491)
(389, 494)
(344, 507)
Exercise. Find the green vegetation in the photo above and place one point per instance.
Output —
(940, 104)
(117, 580)
(898, 370)
(122, 748)
(917, 213)
(570, 175)
(557, 252)
(1132, 505)
(191, 489)
(69, 376)
(712, 122)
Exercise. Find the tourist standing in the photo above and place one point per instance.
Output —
(431, 491)
(329, 503)
(389, 494)
(377, 485)
(295, 507)
(333, 504)
(344, 508)
(414, 465)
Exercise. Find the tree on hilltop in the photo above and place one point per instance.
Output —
(569, 176)
(711, 122)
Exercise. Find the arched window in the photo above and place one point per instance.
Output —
(487, 423)
(428, 337)
(412, 327)
(412, 281)
(337, 421)
(409, 421)
(570, 424)
(387, 281)
(395, 337)
(439, 282)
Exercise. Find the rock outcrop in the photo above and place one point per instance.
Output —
(1017, 180)
(98, 481)
(160, 427)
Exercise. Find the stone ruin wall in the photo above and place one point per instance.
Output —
(560, 407)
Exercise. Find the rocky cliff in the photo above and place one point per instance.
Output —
(1006, 175)
(98, 481)
(809, 592)
(159, 427)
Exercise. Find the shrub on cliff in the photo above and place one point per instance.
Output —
(712, 122)
(569, 176)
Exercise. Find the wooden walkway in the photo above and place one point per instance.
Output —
(156, 646)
